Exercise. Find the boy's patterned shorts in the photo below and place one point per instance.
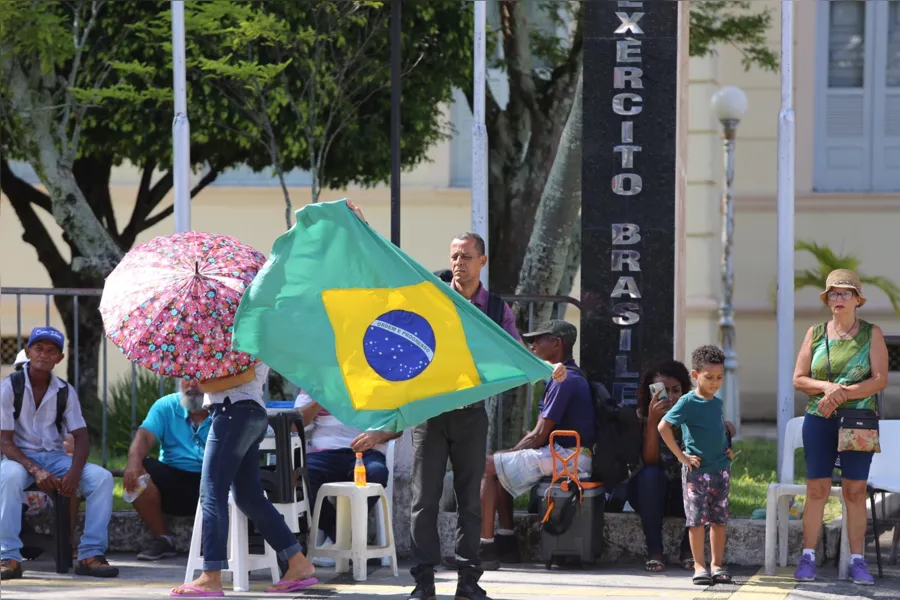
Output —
(705, 497)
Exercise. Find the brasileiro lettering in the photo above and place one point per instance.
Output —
(627, 104)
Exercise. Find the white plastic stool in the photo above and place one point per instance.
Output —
(291, 511)
(353, 528)
(240, 561)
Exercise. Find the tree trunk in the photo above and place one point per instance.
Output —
(90, 338)
(548, 249)
(573, 263)
(69, 207)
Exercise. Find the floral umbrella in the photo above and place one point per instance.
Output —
(170, 304)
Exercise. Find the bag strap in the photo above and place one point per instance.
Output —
(62, 401)
(18, 385)
(828, 353)
(496, 306)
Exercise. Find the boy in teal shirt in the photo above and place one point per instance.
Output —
(706, 461)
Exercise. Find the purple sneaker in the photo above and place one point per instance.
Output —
(806, 568)
(859, 572)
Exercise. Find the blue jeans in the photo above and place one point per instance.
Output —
(231, 462)
(327, 466)
(96, 487)
(650, 495)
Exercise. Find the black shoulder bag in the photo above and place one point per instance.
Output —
(858, 426)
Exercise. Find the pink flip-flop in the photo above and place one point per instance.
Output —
(195, 592)
(292, 586)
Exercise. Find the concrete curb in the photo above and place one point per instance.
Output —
(623, 537)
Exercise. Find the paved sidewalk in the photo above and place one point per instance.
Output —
(153, 580)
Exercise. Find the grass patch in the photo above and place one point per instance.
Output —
(755, 468)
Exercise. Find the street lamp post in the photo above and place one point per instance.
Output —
(729, 104)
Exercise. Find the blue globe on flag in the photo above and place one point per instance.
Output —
(399, 345)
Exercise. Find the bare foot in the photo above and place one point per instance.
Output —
(203, 582)
(298, 570)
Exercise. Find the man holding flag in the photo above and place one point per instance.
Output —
(461, 435)
(395, 347)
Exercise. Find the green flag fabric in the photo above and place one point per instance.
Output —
(368, 332)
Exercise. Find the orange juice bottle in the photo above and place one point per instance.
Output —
(359, 471)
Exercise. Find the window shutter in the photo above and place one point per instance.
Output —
(886, 113)
(461, 144)
(843, 120)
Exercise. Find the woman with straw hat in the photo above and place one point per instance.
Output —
(843, 364)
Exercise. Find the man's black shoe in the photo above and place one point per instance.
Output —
(158, 548)
(423, 591)
(424, 577)
(468, 589)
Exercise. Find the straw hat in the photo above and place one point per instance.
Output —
(843, 279)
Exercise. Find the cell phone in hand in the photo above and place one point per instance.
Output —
(659, 387)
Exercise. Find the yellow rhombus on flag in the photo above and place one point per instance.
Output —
(369, 333)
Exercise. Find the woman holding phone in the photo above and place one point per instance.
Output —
(655, 489)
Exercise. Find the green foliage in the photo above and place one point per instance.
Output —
(828, 260)
(145, 391)
(716, 22)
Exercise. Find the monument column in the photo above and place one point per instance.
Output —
(632, 188)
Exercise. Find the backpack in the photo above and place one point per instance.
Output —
(18, 385)
(617, 449)
(495, 307)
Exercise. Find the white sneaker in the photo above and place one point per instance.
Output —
(324, 561)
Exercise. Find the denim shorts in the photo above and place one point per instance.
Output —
(820, 440)
(705, 497)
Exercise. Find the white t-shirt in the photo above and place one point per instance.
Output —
(247, 391)
(328, 432)
(35, 429)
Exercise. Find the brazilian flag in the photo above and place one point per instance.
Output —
(368, 332)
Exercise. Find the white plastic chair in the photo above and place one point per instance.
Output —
(884, 477)
(240, 561)
(778, 505)
(381, 532)
(352, 506)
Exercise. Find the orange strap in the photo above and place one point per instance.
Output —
(564, 470)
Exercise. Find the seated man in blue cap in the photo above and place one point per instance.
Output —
(36, 409)
(566, 405)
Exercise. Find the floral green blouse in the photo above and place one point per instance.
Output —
(849, 364)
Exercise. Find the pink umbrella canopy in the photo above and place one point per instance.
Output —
(170, 304)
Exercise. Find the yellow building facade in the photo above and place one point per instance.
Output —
(847, 70)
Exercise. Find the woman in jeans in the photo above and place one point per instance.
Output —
(655, 489)
(231, 463)
(842, 364)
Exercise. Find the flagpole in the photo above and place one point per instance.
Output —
(396, 41)
(785, 301)
(479, 134)
(181, 130)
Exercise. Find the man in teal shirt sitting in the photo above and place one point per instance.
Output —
(180, 424)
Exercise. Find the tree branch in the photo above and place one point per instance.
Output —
(517, 49)
(21, 196)
(164, 213)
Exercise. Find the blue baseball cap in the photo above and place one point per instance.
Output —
(49, 334)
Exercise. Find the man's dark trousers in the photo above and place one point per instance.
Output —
(460, 435)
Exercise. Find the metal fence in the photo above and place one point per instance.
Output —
(531, 304)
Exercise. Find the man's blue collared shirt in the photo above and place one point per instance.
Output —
(181, 442)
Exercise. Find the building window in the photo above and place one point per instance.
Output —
(857, 146)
